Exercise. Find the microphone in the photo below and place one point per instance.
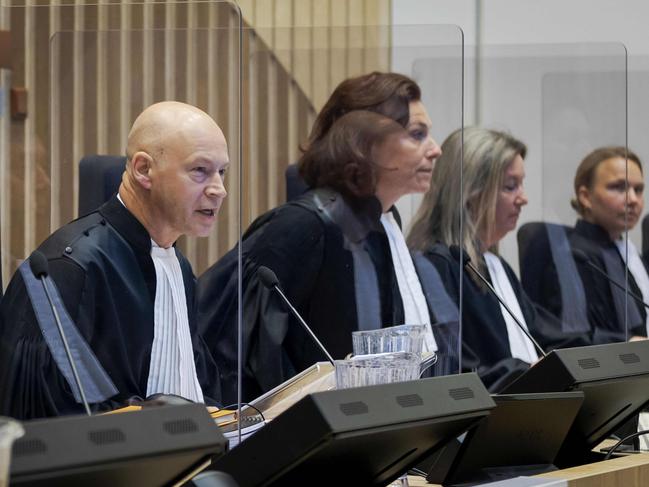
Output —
(40, 267)
(581, 257)
(461, 255)
(269, 280)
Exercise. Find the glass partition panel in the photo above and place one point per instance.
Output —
(638, 75)
(562, 102)
(437, 66)
(102, 79)
(5, 144)
(333, 247)
(88, 77)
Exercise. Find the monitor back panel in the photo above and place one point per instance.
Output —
(523, 430)
(365, 435)
(614, 379)
(151, 447)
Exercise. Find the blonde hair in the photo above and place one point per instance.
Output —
(471, 193)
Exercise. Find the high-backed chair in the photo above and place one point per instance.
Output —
(645, 240)
(99, 179)
(549, 273)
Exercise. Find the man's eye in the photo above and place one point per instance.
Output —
(223, 171)
(200, 170)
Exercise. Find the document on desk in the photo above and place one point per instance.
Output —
(249, 425)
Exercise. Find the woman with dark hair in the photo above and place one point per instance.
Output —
(608, 198)
(337, 251)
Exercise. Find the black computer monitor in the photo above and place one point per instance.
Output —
(359, 436)
(521, 436)
(614, 379)
(152, 447)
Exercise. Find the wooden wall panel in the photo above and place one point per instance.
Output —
(91, 67)
(330, 40)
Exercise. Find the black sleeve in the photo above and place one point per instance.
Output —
(290, 242)
(495, 374)
(31, 383)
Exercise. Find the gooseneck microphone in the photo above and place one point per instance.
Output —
(581, 257)
(269, 280)
(461, 255)
(40, 267)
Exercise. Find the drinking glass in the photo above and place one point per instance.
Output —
(380, 368)
(9, 431)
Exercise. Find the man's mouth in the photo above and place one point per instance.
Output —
(207, 212)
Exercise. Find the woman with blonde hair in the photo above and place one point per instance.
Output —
(487, 194)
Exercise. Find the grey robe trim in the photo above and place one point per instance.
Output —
(97, 385)
(443, 307)
(574, 314)
(355, 227)
(622, 302)
(446, 327)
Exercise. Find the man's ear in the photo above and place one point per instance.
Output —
(142, 163)
(583, 195)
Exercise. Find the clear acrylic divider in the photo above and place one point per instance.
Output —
(563, 102)
(329, 248)
(5, 147)
(101, 66)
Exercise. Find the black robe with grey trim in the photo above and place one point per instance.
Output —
(102, 266)
(309, 243)
(485, 342)
(605, 317)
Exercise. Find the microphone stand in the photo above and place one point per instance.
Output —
(511, 313)
(65, 345)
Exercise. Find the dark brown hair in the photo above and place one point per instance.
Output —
(388, 94)
(343, 159)
(585, 174)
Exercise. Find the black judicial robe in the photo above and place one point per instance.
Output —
(485, 344)
(605, 321)
(307, 243)
(102, 267)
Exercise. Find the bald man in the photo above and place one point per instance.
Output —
(126, 293)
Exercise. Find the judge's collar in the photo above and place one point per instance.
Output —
(356, 218)
(593, 232)
(116, 213)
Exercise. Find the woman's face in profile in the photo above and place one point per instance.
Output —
(612, 203)
(511, 199)
(405, 160)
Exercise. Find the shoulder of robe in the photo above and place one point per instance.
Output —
(83, 241)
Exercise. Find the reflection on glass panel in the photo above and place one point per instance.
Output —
(564, 102)
(90, 71)
(91, 116)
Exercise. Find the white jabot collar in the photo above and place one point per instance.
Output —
(414, 302)
(520, 345)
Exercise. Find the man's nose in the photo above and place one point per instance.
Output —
(216, 188)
